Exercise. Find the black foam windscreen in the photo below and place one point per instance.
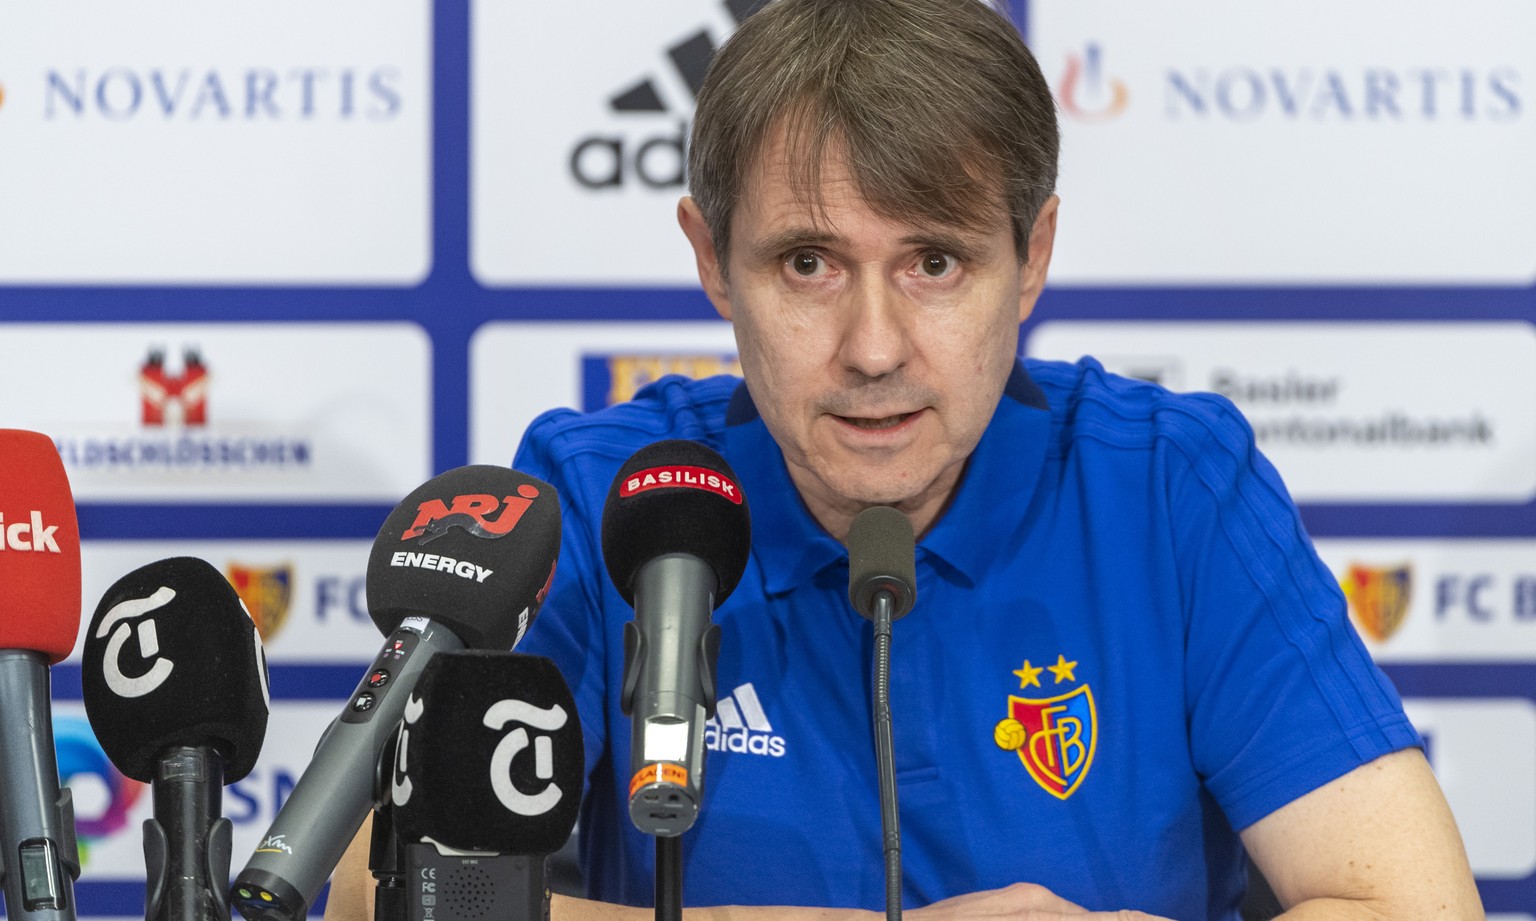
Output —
(473, 549)
(490, 755)
(676, 497)
(881, 557)
(171, 659)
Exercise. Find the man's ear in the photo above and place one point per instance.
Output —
(1042, 240)
(691, 219)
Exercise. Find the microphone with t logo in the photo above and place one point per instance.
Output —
(175, 686)
(487, 783)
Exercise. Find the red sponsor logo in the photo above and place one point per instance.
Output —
(690, 477)
(482, 515)
(161, 391)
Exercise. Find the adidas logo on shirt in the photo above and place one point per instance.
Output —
(739, 725)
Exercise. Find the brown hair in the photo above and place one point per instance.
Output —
(939, 109)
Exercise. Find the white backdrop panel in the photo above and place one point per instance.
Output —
(180, 141)
(332, 412)
(1350, 412)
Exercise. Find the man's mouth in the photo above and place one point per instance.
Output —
(875, 424)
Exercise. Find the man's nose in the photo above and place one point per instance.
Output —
(876, 338)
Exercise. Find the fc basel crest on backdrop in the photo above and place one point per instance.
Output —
(1055, 737)
(266, 592)
(1378, 597)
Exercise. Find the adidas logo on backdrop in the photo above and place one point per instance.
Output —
(739, 725)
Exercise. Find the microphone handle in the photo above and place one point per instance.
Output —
(335, 793)
(37, 820)
(187, 843)
(673, 646)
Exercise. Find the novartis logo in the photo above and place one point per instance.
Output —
(250, 94)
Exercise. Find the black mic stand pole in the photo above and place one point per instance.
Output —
(669, 877)
(186, 865)
(885, 755)
(386, 854)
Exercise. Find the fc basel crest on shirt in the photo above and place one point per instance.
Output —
(1054, 736)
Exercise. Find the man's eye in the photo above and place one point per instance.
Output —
(805, 263)
(936, 265)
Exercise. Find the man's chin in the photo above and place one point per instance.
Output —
(873, 488)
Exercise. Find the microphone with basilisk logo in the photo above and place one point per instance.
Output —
(39, 619)
(174, 681)
(676, 537)
(465, 560)
(486, 784)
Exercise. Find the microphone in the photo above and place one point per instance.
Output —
(882, 560)
(676, 535)
(174, 681)
(464, 560)
(39, 618)
(487, 784)
(882, 585)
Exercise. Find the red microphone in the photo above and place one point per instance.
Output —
(39, 619)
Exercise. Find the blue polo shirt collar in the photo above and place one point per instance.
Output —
(790, 547)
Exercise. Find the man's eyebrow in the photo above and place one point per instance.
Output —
(964, 246)
(770, 248)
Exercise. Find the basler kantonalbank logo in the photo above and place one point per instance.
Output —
(740, 725)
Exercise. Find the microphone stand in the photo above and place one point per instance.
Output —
(386, 861)
(386, 854)
(669, 878)
(885, 755)
(187, 844)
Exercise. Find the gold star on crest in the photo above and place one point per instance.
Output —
(1029, 674)
(1063, 669)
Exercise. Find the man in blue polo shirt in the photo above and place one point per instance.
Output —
(1126, 663)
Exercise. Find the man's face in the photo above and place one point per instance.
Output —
(875, 350)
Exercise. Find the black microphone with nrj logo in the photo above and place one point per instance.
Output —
(486, 784)
(174, 681)
(465, 560)
(676, 537)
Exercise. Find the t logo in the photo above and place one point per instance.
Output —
(149, 644)
(508, 711)
(473, 513)
(401, 786)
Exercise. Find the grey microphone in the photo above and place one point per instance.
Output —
(882, 585)
(676, 537)
(464, 561)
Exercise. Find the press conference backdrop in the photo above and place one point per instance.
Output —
(266, 267)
